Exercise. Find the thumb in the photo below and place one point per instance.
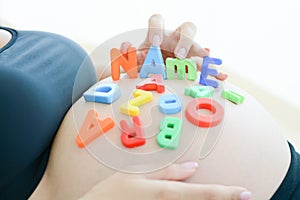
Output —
(176, 172)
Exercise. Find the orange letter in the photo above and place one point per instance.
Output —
(128, 62)
(92, 128)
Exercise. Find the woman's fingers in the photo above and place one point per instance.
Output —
(152, 187)
(154, 37)
(185, 35)
(125, 46)
(218, 192)
(197, 50)
(162, 189)
(141, 52)
(186, 47)
(155, 30)
(179, 43)
(179, 190)
(176, 172)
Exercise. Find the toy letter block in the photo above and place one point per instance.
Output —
(183, 67)
(141, 97)
(103, 93)
(169, 135)
(233, 96)
(205, 71)
(153, 64)
(92, 128)
(128, 109)
(132, 136)
(128, 62)
(154, 82)
(201, 120)
(169, 104)
(199, 91)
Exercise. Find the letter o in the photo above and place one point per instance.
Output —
(204, 120)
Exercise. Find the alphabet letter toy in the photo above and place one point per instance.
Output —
(153, 64)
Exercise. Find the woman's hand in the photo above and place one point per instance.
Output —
(179, 43)
(161, 185)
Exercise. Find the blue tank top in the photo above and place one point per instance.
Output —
(37, 76)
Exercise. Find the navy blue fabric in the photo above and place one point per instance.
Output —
(37, 74)
(290, 187)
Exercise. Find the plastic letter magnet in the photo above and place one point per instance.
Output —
(201, 120)
(132, 136)
(233, 96)
(169, 135)
(155, 82)
(169, 104)
(154, 63)
(199, 91)
(131, 107)
(103, 93)
(92, 128)
(141, 97)
(205, 71)
(128, 63)
(182, 67)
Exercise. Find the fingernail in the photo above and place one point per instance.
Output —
(156, 40)
(190, 165)
(222, 76)
(207, 49)
(245, 195)
(181, 53)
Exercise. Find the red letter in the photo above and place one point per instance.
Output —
(155, 83)
(204, 120)
(132, 137)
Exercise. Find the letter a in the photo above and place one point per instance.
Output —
(153, 64)
(92, 128)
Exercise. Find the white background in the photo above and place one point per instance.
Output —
(257, 40)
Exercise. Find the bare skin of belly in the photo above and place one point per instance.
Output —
(5, 37)
(246, 149)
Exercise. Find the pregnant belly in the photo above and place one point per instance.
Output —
(245, 148)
